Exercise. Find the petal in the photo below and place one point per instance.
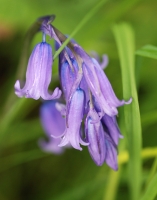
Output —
(111, 153)
(67, 77)
(64, 141)
(85, 88)
(61, 108)
(38, 75)
(111, 128)
(93, 82)
(74, 119)
(106, 87)
(51, 119)
(51, 146)
(104, 105)
(104, 62)
(95, 137)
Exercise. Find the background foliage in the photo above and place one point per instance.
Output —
(28, 173)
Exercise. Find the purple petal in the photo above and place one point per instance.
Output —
(84, 87)
(61, 108)
(111, 153)
(96, 91)
(67, 77)
(51, 119)
(111, 127)
(95, 137)
(51, 146)
(106, 87)
(93, 82)
(104, 61)
(38, 75)
(75, 116)
(54, 125)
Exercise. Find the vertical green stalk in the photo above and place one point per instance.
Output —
(126, 46)
(112, 185)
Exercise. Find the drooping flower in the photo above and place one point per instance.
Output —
(88, 95)
(101, 130)
(38, 75)
(74, 119)
(111, 127)
(111, 152)
(95, 136)
(99, 84)
(53, 124)
(102, 146)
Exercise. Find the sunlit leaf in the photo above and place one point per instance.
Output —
(149, 51)
(124, 36)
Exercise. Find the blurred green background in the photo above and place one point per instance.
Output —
(25, 171)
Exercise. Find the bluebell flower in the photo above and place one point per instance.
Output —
(101, 133)
(38, 75)
(78, 71)
(99, 84)
(95, 136)
(88, 95)
(74, 119)
(53, 124)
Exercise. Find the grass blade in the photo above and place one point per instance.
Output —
(151, 190)
(149, 51)
(125, 42)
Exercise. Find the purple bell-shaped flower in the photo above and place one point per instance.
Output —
(38, 75)
(53, 124)
(74, 118)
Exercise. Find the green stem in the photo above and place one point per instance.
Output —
(80, 25)
(112, 186)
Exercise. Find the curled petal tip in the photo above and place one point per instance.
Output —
(129, 101)
(83, 143)
(65, 141)
(57, 93)
(17, 88)
(104, 62)
(115, 168)
(121, 136)
(51, 146)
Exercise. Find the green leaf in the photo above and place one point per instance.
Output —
(80, 192)
(152, 172)
(23, 132)
(124, 36)
(20, 158)
(151, 190)
(113, 183)
(17, 112)
(149, 51)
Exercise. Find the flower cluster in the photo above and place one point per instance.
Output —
(89, 99)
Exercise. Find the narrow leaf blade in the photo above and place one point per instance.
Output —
(125, 42)
(149, 51)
